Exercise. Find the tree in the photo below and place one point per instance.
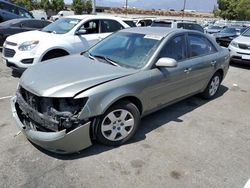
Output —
(57, 5)
(29, 4)
(88, 6)
(45, 4)
(227, 9)
(243, 10)
(82, 5)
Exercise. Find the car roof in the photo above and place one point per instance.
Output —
(92, 17)
(7, 2)
(159, 31)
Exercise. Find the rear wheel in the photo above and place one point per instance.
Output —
(213, 86)
(118, 124)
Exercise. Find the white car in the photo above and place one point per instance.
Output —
(62, 13)
(240, 48)
(39, 14)
(69, 35)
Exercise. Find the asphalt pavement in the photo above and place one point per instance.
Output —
(194, 143)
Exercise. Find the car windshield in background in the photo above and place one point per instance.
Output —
(161, 24)
(246, 33)
(229, 30)
(130, 23)
(127, 49)
(61, 26)
(214, 27)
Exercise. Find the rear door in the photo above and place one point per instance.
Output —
(203, 57)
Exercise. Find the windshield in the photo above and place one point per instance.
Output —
(229, 30)
(61, 26)
(214, 27)
(130, 50)
(161, 24)
(130, 23)
(246, 33)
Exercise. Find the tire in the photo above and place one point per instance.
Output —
(118, 124)
(212, 87)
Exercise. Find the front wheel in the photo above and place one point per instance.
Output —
(212, 87)
(118, 124)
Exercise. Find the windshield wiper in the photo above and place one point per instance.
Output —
(107, 59)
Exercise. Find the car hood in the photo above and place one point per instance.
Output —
(31, 35)
(69, 75)
(242, 39)
(222, 35)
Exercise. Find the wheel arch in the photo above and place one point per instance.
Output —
(57, 49)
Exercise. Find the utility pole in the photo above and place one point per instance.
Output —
(126, 6)
(184, 7)
(94, 7)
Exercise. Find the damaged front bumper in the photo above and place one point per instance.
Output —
(59, 141)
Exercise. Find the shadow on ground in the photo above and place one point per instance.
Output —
(148, 124)
(240, 65)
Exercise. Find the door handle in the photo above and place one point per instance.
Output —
(188, 70)
(213, 63)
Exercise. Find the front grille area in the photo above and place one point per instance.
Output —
(244, 46)
(49, 114)
(7, 52)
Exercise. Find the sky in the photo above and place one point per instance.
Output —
(198, 5)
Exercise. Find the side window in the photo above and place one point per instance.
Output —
(9, 8)
(200, 46)
(32, 24)
(108, 26)
(148, 22)
(175, 48)
(180, 25)
(91, 26)
(23, 13)
(198, 28)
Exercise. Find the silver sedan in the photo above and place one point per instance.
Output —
(101, 94)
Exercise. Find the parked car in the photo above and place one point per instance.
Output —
(18, 26)
(143, 22)
(240, 48)
(10, 11)
(177, 24)
(62, 14)
(65, 103)
(213, 29)
(66, 36)
(39, 14)
(225, 36)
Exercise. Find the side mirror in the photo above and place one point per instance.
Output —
(81, 32)
(166, 62)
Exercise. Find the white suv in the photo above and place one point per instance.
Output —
(240, 48)
(68, 35)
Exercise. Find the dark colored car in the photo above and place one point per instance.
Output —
(10, 11)
(20, 25)
(225, 36)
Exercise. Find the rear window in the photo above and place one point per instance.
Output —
(161, 24)
(130, 23)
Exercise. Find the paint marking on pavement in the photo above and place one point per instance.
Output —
(247, 184)
(6, 97)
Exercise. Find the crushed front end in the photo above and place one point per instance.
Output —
(52, 123)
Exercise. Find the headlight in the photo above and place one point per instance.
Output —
(234, 44)
(26, 46)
